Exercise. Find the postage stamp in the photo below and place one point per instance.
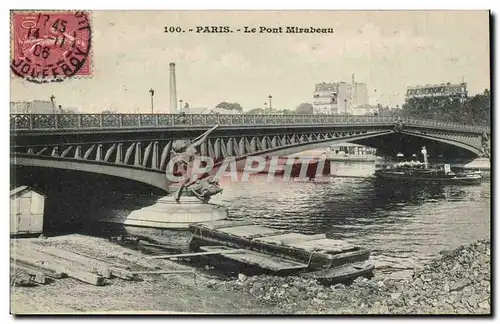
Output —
(250, 162)
(50, 46)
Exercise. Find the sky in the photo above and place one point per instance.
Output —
(387, 50)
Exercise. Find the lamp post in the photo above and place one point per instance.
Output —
(180, 105)
(265, 107)
(52, 98)
(152, 92)
(270, 102)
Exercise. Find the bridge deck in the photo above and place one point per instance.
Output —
(51, 122)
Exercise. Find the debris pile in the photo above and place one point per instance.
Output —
(458, 282)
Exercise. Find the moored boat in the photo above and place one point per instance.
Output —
(343, 273)
(415, 171)
(279, 250)
(433, 175)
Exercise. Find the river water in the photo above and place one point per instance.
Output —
(403, 225)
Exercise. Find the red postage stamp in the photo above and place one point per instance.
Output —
(50, 46)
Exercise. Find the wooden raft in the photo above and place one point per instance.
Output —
(255, 258)
(274, 249)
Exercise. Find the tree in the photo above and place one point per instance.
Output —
(473, 110)
(256, 111)
(186, 105)
(386, 111)
(230, 106)
(108, 111)
(304, 109)
(287, 112)
(478, 108)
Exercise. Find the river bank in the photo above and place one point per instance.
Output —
(456, 282)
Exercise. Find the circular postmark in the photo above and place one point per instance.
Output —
(50, 46)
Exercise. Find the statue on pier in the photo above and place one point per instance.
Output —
(484, 145)
(185, 152)
(398, 125)
(204, 189)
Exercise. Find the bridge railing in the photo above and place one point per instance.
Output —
(117, 121)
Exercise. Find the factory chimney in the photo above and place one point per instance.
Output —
(173, 90)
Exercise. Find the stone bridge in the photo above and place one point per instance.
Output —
(137, 147)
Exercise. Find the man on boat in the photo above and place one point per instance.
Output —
(185, 153)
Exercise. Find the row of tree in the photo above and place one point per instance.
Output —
(302, 109)
(474, 110)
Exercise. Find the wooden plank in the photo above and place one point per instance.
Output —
(276, 233)
(343, 272)
(85, 276)
(164, 272)
(248, 231)
(222, 224)
(289, 238)
(111, 263)
(187, 255)
(121, 273)
(55, 270)
(327, 245)
(259, 259)
(35, 276)
(75, 259)
(40, 267)
(22, 280)
(36, 258)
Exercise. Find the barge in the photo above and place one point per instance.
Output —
(282, 252)
(415, 171)
(429, 176)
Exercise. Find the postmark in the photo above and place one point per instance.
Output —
(50, 46)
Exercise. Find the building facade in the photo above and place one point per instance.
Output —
(31, 107)
(359, 94)
(458, 91)
(339, 98)
(331, 98)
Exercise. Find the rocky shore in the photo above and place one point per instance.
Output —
(457, 282)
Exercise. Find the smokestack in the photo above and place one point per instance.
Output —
(173, 90)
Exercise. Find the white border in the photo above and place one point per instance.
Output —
(199, 5)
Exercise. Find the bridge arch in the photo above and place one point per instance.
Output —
(149, 177)
(365, 139)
